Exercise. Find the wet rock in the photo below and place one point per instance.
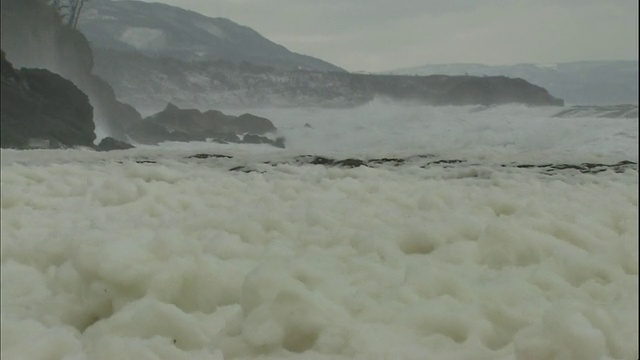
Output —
(43, 109)
(109, 144)
(175, 124)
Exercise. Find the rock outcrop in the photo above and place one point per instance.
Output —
(458, 90)
(425, 162)
(34, 37)
(40, 109)
(109, 144)
(168, 31)
(175, 124)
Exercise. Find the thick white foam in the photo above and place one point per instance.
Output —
(104, 258)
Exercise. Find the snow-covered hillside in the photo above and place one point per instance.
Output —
(161, 30)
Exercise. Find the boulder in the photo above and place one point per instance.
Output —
(247, 123)
(210, 122)
(175, 124)
(109, 144)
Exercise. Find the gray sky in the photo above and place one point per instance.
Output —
(378, 35)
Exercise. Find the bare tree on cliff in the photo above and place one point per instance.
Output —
(69, 10)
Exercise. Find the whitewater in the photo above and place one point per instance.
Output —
(470, 247)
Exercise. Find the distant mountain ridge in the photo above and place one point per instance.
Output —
(579, 83)
(162, 30)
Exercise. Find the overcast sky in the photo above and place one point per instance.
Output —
(378, 35)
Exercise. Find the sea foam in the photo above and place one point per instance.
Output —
(180, 261)
(148, 254)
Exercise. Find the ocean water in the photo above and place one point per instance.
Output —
(490, 254)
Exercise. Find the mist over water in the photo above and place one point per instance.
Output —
(146, 253)
(503, 133)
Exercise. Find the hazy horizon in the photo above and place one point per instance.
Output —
(381, 36)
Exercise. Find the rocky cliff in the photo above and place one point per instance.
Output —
(42, 109)
(175, 124)
(33, 37)
(458, 90)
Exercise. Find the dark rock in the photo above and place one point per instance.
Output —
(529, 166)
(496, 90)
(549, 169)
(321, 160)
(34, 37)
(585, 168)
(622, 166)
(567, 166)
(313, 160)
(42, 109)
(210, 122)
(175, 124)
(394, 161)
(254, 139)
(116, 117)
(279, 142)
(109, 143)
(207, 156)
(351, 163)
(148, 133)
(247, 123)
(245, 169)
(460, 90)
(454, 161)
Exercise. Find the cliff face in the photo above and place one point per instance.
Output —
(42, 109)
(33, 37)
(150, 83)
